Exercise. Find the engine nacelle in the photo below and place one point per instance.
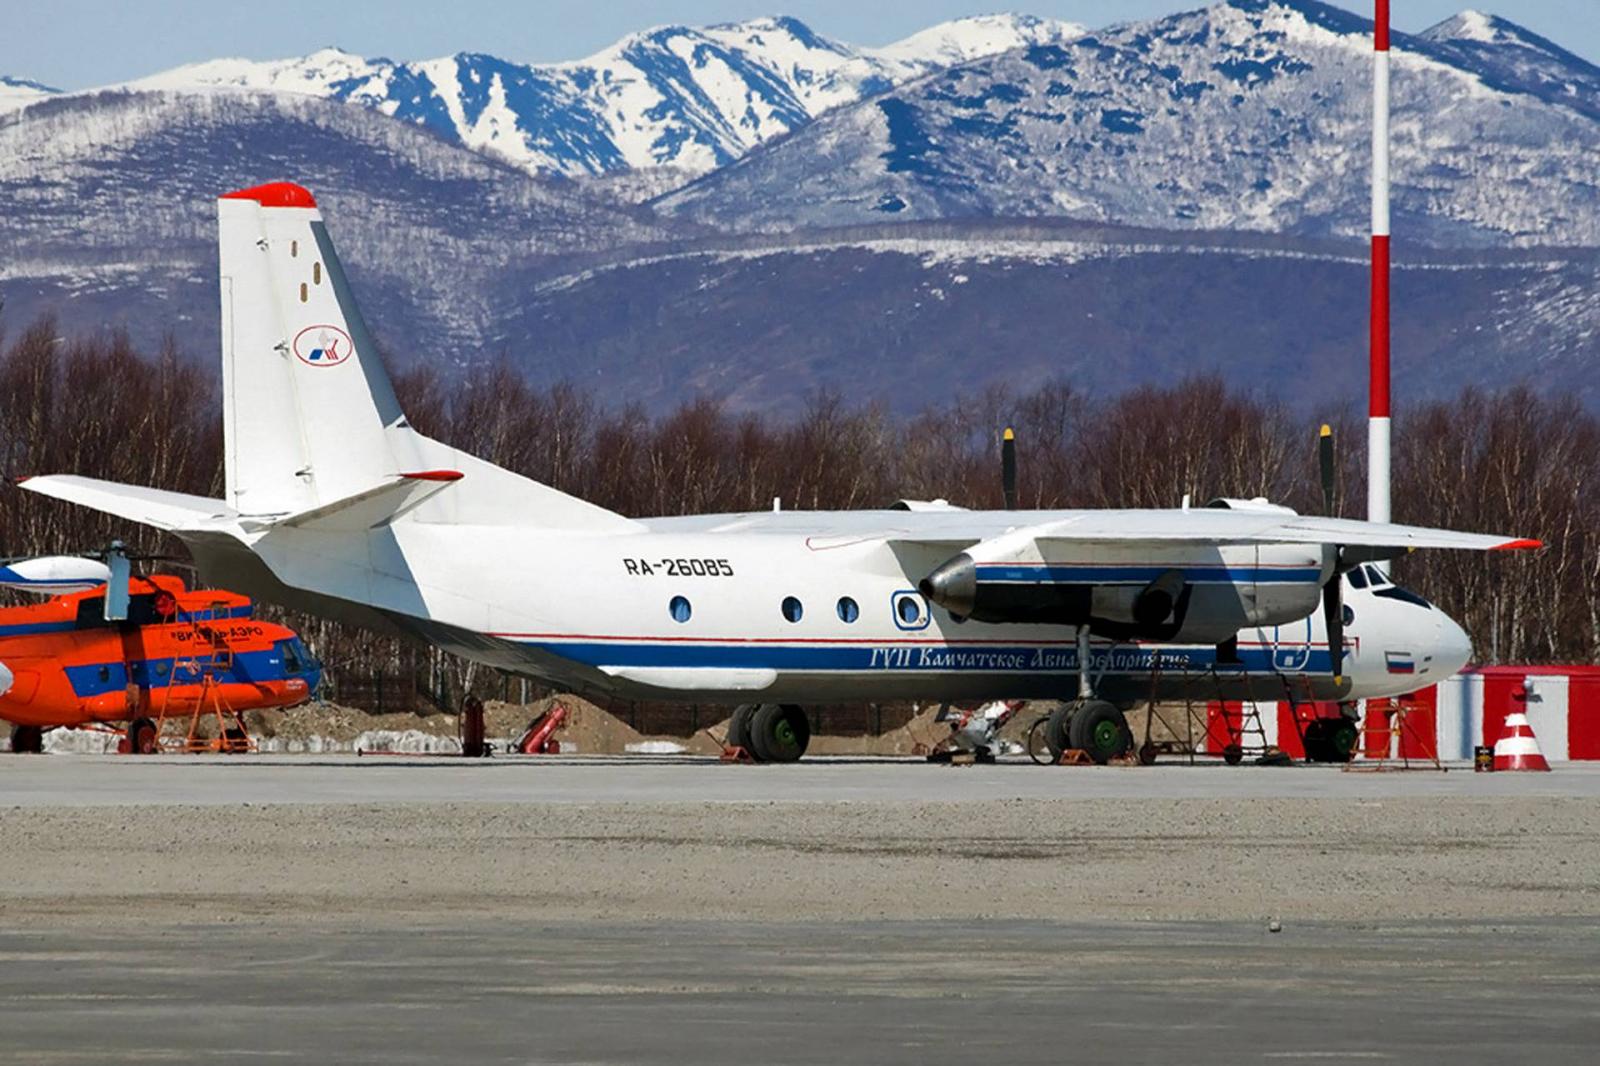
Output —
(1181, 594)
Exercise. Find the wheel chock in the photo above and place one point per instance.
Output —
(1075, 757)
(737, 754)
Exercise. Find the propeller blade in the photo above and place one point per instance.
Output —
(1008, 468)
(51, 575)
(1325, 454)
(1333, 622)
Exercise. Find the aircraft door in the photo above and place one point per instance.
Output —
(1291, 647)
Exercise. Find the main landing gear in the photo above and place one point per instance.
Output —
(1087, 724)
(770, 732)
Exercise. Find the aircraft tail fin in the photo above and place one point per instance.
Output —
(310, 417)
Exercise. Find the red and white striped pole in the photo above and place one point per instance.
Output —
(1378, 372)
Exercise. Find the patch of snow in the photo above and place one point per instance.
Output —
(650, 747)
(80, 742)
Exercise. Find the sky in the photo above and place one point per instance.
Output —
(77, 44)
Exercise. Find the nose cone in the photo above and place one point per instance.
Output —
(1454, 650)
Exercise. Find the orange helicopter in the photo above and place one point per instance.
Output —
(109, 647)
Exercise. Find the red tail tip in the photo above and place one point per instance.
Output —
(435, 475)
(275, 194)
(1519, 546)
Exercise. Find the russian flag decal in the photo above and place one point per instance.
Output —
(1400, 662)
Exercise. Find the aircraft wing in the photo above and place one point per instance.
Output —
(956, 530)
(151, 507)
(1243, 527)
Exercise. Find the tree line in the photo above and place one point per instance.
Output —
(1510, 461)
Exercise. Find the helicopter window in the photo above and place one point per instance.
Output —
(90, 614)
(292, 661)
(1358, 578)
(105, 673)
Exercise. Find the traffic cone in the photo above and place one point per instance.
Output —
(1518, 749)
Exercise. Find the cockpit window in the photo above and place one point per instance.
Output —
(1379, 579)
(1395, 592)
(1358, 578)
(296, 660)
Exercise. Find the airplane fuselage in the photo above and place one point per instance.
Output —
(720, 615)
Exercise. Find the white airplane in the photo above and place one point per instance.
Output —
(335, 505)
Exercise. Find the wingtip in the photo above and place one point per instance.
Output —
(434, 475)
(1525, 544)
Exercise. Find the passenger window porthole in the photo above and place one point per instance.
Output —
(848, 610)
(792, 609)
(679, 609)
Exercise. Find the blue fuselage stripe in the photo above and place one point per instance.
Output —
(96, 679)
(934, 658)
(1195, 575)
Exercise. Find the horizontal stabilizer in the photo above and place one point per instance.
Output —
(151, 507)
(372, 507)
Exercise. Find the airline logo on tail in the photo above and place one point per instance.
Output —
(323, 346)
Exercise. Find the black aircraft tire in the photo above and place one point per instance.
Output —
(1101, 730)
(1318, 747)
(1039, 743)
(1343, 737)
(141, 737)
(780, 732)
(739, 727)
(27, 740)
(1058, 730)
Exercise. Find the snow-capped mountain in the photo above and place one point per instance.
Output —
(691, 99)
(1511, 59)
(19, 92)
(1250, 114)
(108, 212)
(1234, 138)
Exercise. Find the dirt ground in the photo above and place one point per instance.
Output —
(589, 730)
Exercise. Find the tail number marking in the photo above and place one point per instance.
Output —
(678, 567)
